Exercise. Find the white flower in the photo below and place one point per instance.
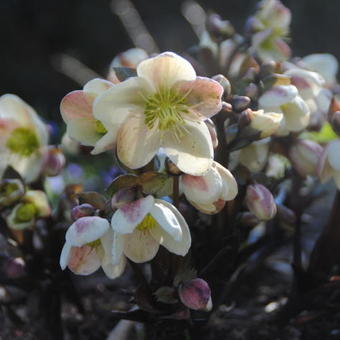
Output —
(141, 226)
(77, 111)
(208, 193)
(165, 106)
(23, 137)
(88, 247)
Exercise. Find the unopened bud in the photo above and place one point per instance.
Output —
(305, 155)
(14, 268)
(123, 197)
(219, 29)
(195, 294)
(11, 190)
(245, 118)
(172, 168)
(335, 122)
(240, 103)
(224, 82)
(265, 122)
(252, 91)
(267, 68)
(55, 161)
(260, 202)
(82, 210)
(212, 130)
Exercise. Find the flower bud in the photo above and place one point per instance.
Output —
(240, 103)
(252, 91)
(212, 130)
(123, 197)
(265, 122)
(219, 29)
(224, 82)
(22, 216)
(260, 202)
(305, 155)
(54, 162)
(82, 210)
(335, 122)
(11, 190)
(195, 294)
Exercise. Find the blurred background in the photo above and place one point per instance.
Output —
(51, 47)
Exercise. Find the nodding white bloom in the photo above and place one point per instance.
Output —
(130, 58)
(285, 99)
(265, 122)
(77, 111)
(141, 226)
(329, 164)
(88, 247)
(23, 137)
(164, 106)
(323, 63)
(208, 193)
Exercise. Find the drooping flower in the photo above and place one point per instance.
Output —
(164, 106)
(208, 193)
(141, 226)
(23, 137)
(77, 111)
(88, 247)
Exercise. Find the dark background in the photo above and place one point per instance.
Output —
(35, 32)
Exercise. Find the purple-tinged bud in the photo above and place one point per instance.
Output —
(11, 190)
(252, 91)
(219, 29)
(196, 294)
(14, 268)
(224, 82)
(212, 130)
(335, 122)
(305, 155)
(54, 162)
(123, 197)
(240, 103)
(82, 210)
(260, 202)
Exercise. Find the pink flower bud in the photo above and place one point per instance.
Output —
(305, 155)
(260, 202)
(82, 211)
(54, 162)
(195, 294)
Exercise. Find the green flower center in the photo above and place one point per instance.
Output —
(23, 142)
(25, 212)
(94, 244)
(148, 223)
(164, 109)
(99, 127)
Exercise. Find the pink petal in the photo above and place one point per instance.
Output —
(84, 260)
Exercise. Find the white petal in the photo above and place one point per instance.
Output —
(333, 150)
(65, 255)
(117, 248)
(177, 247)
(140, 246)
(203, 189)
(278, 95)
(125, 219)
(84, 260)
(106, 142)
(296, 114)
(193, 151)
(230, 189)
(86, 229)
(97, 86)
(166, 219)
(254, 156)
(165, 70)
(324, 169)
(114, 270)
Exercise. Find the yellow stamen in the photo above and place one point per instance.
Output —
(148, 223)
(23, 141)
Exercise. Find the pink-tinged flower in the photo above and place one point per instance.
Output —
(23, 137)
(196, 294)
(267, 123)
(141, 226)
(260, 202)
(323, 63)
(329, 164)
(305, 155)
(208, 193)
(286, 100)
(164, 106)
(130, 58)
(77, 111)
(88, 247)
(33, 205)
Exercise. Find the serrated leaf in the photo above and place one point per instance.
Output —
(123, 73)
(93, 198)
(121, 182)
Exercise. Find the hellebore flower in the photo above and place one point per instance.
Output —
(265, 122)
(329, 164)
(88, 247)
(208, 193)
(23, 137)
(77, 111)
(286, 100)
(164, 106)
(142, 225)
